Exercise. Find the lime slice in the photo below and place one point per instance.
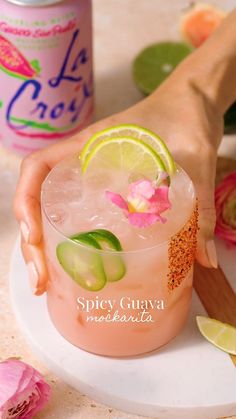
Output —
(156, 62)
(113, 263)
(220, 334)
(133, 131)
(84, 267)
(126, 154)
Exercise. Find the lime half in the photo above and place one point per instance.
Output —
(220, 334)
(132, 131)
(126, 154)
(156, 62)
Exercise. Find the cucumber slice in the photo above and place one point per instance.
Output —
(113, 263)
(107, 238)
(91, 270)
(84, 267)
(85, 238)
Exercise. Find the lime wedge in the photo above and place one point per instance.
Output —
(84, 267)
(113, 263)
(133, 131)
(220, 334)
(126, 154)
(156, 62)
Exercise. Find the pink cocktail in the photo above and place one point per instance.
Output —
(129, 297)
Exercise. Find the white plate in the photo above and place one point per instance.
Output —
(187, 379)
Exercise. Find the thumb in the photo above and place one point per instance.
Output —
(205, 190)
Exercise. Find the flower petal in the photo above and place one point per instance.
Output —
(144, 202)
(141, 189)
(161, 199)
(10, 378)
(21, 387)
(225, 209)
(117, 199)
(41, 396)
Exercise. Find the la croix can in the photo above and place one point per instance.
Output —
(46, 78)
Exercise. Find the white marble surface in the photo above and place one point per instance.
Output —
(121, 29)
(188, 378)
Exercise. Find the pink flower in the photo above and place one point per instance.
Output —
(23, 392)
(225, 200)
(144, 203)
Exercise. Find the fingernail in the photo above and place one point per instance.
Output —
(33, 276)
(211, 253)
(24, 231)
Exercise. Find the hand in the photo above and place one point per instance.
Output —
(180, 113)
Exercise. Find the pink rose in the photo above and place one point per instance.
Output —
(23, 392)
(225, 200)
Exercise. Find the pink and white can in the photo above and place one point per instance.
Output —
(46, 78)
